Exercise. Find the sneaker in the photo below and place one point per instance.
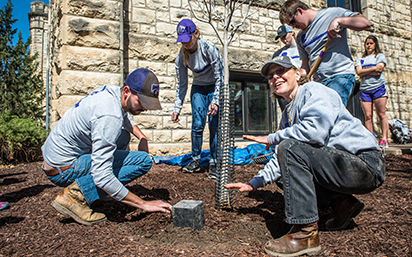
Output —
(383, 144)
(212, 171)
(192, 166)
(3, 205)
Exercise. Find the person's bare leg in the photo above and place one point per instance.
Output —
(380, 106)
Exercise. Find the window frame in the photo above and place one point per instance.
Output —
(245, 77)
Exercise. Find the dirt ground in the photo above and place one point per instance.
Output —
(31, 227)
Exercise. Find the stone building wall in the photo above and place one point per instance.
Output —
(90, 50)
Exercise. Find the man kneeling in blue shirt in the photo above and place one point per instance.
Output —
(85, 151)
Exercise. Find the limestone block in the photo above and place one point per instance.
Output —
(138, 3)
(98, 9)
(245, 28)
(251, 45)
(263, 12)
(148, 122)
(177, 14)
(148, 29)
(169, 149)
(171, 70)
(143, 47)
(253, 12)
(143, 16)
(158, 5)
(167, 82)
(167, 96)
(269, 48)
(162, 136)
(164, 29)
(169, 124)
(91, 59)
(249, 60)
(188, 213)
(205, 28)
(175, 3)
(157, 67)
(163, 16)
(181, 135)
(83, 83)
(90, 32)
(266, 21)
(168, 108)
(253, 38)
(213, 38)
(274, 14)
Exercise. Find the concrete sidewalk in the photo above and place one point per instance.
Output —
(399, 149)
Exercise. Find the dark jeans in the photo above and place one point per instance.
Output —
(127, 166)
(343, 84)
(201, 98)
(307, 168)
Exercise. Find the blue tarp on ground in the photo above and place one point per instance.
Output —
(242, 156)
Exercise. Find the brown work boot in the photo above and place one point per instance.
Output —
(345, 208)
(301, 239)
(71, 202)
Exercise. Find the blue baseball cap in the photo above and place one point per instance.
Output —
(145, 83)
(283, 30)
(185, 29)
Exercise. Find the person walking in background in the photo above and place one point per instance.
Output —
(324, 155)
(287, 37)
(204, 60)
(372, 89)
(336, 70)
(85, 150)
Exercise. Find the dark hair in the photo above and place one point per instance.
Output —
(377, 48)
(131, 90)
(303, 79)
(289, 8)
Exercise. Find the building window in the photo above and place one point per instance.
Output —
(353, 5)
(255, 111)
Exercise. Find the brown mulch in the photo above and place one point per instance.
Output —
(31, 227)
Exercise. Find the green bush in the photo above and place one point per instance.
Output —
(20, 138)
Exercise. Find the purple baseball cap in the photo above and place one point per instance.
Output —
(144, 82)
(185, 29)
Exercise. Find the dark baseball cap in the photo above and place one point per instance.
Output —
(283, 30)
(185, 29)
(284, 61)
(145, 83)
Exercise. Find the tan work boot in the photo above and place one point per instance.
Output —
(71, 202)
(345, 208)
(301, 239)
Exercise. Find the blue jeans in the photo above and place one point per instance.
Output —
(312, 174)
(127, 166)
(343, 84)
(201, 98)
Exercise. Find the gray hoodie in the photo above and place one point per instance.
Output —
(91, 126)
(316, 116)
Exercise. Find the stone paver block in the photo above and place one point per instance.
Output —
(188, 213)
